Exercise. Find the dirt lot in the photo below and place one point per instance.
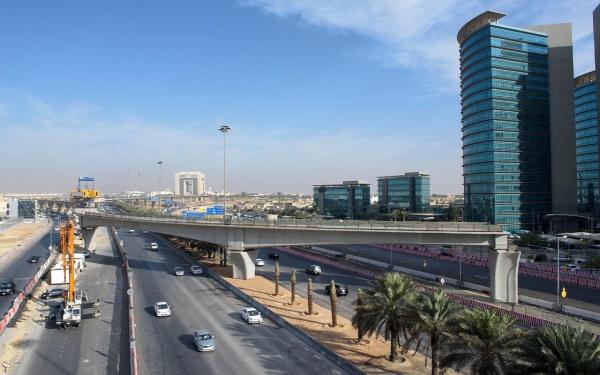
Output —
(368, 355)
(17, 235)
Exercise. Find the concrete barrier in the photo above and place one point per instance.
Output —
(132, 346)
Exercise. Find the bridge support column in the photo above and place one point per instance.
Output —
(504, 275)
(88, 237)
(243, 263)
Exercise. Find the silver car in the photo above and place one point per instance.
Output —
(196, 270)
(204, 341)
(251, 315)
(178, 271)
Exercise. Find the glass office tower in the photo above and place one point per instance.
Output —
(348, 200)
(505, 123)
(410, 191)
(586, 125)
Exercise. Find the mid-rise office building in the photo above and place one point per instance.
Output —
(410, 192)
(517, 121)
(586, 126)
(349, 199)
(189, 183)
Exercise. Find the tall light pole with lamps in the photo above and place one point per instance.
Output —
(224, 129)
(139, 182)
(159, 181)
(558, 268)
(129, 188)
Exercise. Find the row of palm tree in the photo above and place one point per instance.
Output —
(486, 342)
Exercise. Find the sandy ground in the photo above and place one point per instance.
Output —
(17, 235)
(367, 355)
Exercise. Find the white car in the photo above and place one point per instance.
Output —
(154, 246)
(178, 271)
(145, 232)
(572, 267)
(131, 231)
(251, 315)
(260, 262)
(196, 270)
(162, 309)
(56, 229)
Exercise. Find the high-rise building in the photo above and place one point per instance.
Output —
(586, 124)
(189, 183)
(349, 199)
(517, 121)
(410, 191)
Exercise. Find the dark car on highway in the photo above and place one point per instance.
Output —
(341, 290)
(53, 293)
(7, 286)
(273, 255)
(34, 259)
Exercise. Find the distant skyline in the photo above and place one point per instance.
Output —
(316, 91)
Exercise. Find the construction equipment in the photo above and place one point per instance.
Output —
(85, 196)
(70, 312)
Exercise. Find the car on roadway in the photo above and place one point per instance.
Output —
(53, 293)
(178, 271)
(572, 267)
(7, 286)
(204, 341)
(56, 228)
(251, 315)
(315, 270)
(34, 259)
(196, 270)
(131, 231)
(561, 258)
(446, 254)
(274, 255)
(145, 232)
(260, 262)
(580, 260)
(154, 246)
(340, 290)
(162, 309)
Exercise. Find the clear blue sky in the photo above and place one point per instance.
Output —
(316, 91)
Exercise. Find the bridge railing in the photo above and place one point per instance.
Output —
(315, 223)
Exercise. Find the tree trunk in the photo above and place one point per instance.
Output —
(293, 286)
(333, 298)
(434, 349)
(359, 303)
(276, 278)
(310, 297)
(394, 346)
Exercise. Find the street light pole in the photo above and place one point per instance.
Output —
(159, 181)
(224, 129)
(129, 170)
(558, 268)
(139, 182)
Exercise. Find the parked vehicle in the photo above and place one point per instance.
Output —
(196, 270)
(162, 309)
(204, 341)
(273, 255)
(251, 315)
(7, 286)
(315, 270)
(340, 290)
(53, 293)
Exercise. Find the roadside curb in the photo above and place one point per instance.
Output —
(324, 350)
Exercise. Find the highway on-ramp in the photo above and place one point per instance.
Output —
(165, 345)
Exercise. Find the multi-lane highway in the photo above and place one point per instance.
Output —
(100, 345)
(20, 270)
(165, 346)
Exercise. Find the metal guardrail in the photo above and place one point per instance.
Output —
(411, 226)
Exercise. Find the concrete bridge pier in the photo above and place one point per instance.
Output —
(243, 263)
(88, 238)
(504, 275)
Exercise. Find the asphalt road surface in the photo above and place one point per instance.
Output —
(19, 268)
(99, 345)
(477, 275)
(165, 346)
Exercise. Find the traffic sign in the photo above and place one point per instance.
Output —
(563, 293)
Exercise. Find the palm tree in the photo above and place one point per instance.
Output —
(333, 299)
(559, 350)
(309, 295)
(386, 309)
(277, 278)
(436, 315)
(293, 286)
(484, 340)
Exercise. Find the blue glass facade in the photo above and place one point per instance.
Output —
(410, 191)
(342, 201)
(505, 125)
(586, 126)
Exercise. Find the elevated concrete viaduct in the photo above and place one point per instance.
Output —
(242, 238)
